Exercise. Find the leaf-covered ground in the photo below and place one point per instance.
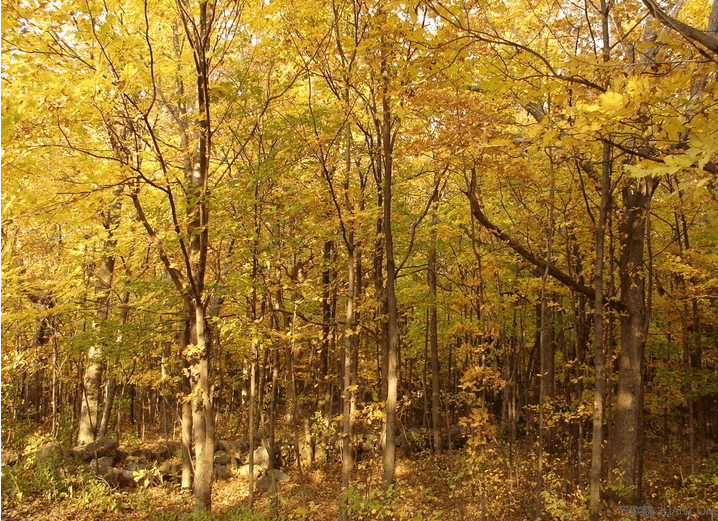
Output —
(428, 488)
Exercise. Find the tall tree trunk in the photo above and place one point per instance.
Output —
(636, 197)
(165, 405)
(186, 436)
(380, 290)
(110, 388)
(89, 409)
(202, 415)
(324, 398)
(433, 335)
(347, 394)
(197, 167)
(252, 399)
(392, 349)
(546, 355)
(599, 360)
(351, 337)
(111, 385)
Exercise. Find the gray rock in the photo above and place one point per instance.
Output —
(49, 448)
(168, 449)
(261, 457)
(243, 472)
(168, 468)
(241, 445)
(280, 476)
(320, 454)
(134, 467)
(222, 445)
(102, 447)
(306, 452)
(267, 483)
(121, 455)
(370, 442)
(102, 465)
(144, 454)
(222, 472)
(222, 458)
(122, 477)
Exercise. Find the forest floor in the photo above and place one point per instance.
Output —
(428, 488)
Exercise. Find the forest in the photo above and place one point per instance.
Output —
(359, 259)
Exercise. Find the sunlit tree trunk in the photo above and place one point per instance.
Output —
(347, 394)
(186, 426)
(202, 416)
(92, 380)
(392, 350)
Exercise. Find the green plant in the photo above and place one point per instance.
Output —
(96, 495)
(699, 488)
(44, 472)
(618, 488)
(364, 504)
(146, 477)
(15, 433)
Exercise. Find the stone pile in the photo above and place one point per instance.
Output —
(163, 462)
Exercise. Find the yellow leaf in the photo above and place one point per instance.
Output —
(611, 101)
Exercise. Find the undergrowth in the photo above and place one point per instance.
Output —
(484, 481)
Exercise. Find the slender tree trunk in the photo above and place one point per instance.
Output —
(33, 388)
(165, 407)
(350, 334)
(392, 312)
(199, 33)
(380, 291)
(187, 463)
(324, 355)
(110, 388)
(252, 400)
(296, 417)
(599, 361)
(433, 337)
(347, 394)
(111, 385)
(186, 410)
(546, 362)
(55, 390)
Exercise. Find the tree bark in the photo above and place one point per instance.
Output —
(347, 394)
(392, 349)
(636, 197)
(89, 409)
(324, 398)
(433, 336)
(691, 33)
(202, 416)
(186, 436)
(524, 252)
(599, 360)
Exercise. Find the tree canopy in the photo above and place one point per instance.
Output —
(494, 221)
